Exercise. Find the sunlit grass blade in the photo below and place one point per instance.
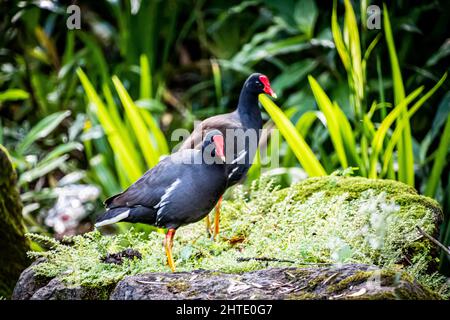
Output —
(141, 131)
(396, 136)
(377, 141)
(326, 106)
(14, 94)
(159, 139)
(117, 120)
(132, 165)
(439, 162)
(338, 41)
(405, 150)
(217, 81)
(302, 126)
(348, 139)
(146, 87)
(298, 145)
(354, 49)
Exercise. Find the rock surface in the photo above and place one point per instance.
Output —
(351, 281)
(13, 244)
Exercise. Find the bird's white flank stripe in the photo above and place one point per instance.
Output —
(115, 219)
(232, 172)
(240, 156)
(165, 198)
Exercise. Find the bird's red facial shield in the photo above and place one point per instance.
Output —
(218, 142)
(267, 89)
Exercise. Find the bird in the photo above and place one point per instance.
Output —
(245, 121)
(181, 189)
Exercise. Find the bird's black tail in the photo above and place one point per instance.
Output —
(127, 214)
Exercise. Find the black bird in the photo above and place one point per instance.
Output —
(181, 189)
(242, 123)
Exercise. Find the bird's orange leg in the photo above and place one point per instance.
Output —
(208, 225)
(217, 218)
(168, 244)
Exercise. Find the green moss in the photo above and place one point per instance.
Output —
(303, 296)
(387, 278)
(328, 219)
(178, 286)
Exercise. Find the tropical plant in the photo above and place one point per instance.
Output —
(378, 149)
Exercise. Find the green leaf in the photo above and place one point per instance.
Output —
(42, 169)
(141, 131)
(305, 15)
(377, 141)
(13, 94)
(41, 130)
(338, 41)
(405, 150)
(146, 78)
(61, 150)
(326, 106)
(396, 136)
(122, 150)
(439, 161)
(296, 142)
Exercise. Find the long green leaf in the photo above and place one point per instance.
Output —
(377, 141)
(298, 145)
(141, 131)
(338, 41)
(42, 129)
(123, 151)
(439, 162)
(396, 136)
(326, 106)
(61, 150)
(42, 169)
(146, 78)
(13, 94)
(405, 150)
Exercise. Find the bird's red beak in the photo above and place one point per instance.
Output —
(267, 89)
(218, 141)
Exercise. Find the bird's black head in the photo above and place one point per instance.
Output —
(258, 83)
(213, 146)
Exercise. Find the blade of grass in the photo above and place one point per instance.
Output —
(377, 141)
(146, 79)
(439, 163)
(298, 145)
(123, 151)
(42, 129)
(326, 106)
(405, 150)
(396, 136)
(138, 124)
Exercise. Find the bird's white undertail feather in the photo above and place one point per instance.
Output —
(115, 219)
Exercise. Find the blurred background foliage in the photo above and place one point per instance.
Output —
(97, 106)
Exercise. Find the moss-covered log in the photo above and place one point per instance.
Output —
(351, 281)
(13, 244)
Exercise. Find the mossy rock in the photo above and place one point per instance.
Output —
(13, 244)
(340, 282)
(320, 221)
